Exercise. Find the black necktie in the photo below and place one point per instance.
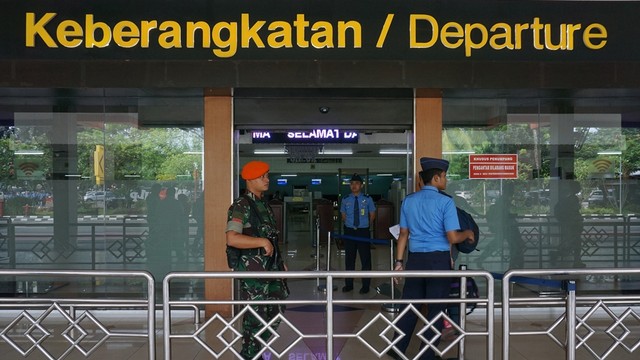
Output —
(356, 213)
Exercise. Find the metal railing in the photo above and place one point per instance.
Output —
(121, 244)
(581, 304)
(376, 335)
(81, 328)
(605, 240)
(115, 243)
(584, 304)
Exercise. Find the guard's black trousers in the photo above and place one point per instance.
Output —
(352, 248)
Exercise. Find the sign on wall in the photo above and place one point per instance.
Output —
(493, 166)
(319, 30)
(312, 136)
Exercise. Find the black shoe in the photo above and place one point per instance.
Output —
(392, 353)
(364, 291)
(347, 288)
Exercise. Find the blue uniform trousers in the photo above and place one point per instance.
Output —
(424, 288)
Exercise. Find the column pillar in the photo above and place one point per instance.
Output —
(218, 191)
(428, 125)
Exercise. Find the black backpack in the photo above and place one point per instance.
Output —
(472, 293)
(466, 223)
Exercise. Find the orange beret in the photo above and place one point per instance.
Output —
(254, 169)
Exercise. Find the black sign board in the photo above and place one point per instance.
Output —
(314, 136)
(320, 30)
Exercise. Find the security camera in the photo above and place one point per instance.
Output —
(324, 109)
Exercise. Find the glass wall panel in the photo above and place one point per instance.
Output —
(571, 198)
(100, 179)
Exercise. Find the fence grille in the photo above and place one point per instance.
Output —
(60, 327)
(592, 321)
(595, 322)
(219, 336)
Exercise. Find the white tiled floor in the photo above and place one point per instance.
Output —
(308, 319)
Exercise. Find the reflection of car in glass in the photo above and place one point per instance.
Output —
(492, 196)
(596, 197)
(464, 194)
(537, 197)
(100, 196)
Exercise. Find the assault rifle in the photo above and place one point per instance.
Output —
(276, 257)
(271, 233)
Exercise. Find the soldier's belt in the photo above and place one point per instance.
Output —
(250, 252)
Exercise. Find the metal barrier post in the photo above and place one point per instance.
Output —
(490, 318)
(391, 307)
(328, 251)
(463, 310)
(319, 287)
(393, 263)
(325, 286)
(166, 317)
(329, 318)
(506, 321)
(571, 319)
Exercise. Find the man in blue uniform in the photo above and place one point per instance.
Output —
(429, 224)
(358, 212)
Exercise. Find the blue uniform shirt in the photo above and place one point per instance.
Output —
(428, 215)
(365, 205)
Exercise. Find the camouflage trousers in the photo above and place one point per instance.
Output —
(259, 289)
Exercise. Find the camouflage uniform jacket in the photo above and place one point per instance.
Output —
(242, 219)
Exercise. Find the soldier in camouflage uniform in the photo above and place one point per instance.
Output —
(252, 239)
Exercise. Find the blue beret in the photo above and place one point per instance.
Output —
(433, 163)
(356, 177)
